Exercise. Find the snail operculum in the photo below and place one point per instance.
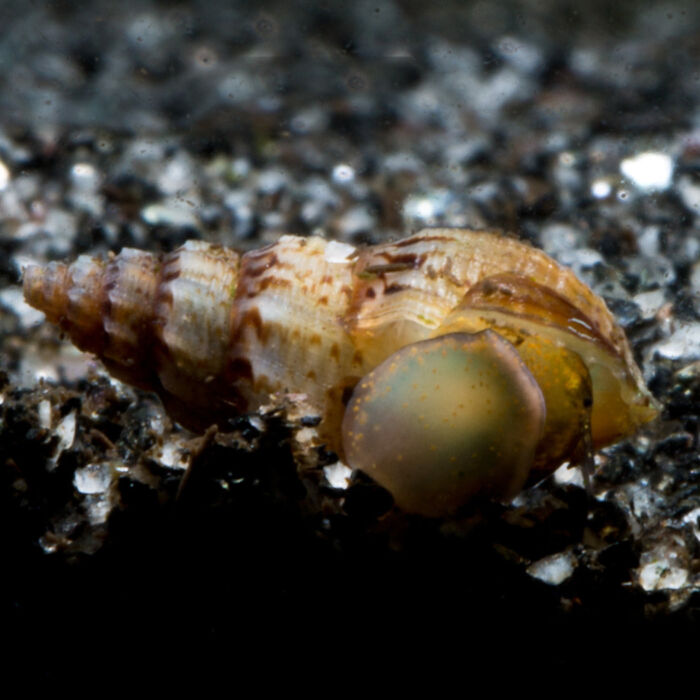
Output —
(428, 422)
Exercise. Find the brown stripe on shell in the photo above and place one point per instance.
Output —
(420, 238)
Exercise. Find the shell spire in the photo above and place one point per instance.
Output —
(158, 322)
(105, 307)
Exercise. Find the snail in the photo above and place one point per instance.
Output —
(447, 365)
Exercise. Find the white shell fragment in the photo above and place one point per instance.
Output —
(554, 569)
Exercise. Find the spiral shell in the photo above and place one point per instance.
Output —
(530, 364)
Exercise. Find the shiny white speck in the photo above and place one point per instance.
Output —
(651, 171)
(173, 214)
(567, 159)
(83, 170)
(566, 474)
(554, 569)
(662, 568)
(65, 431)
(337, 475)
(682, 344)
(45, 373)
(240, 167)
(93, 478)
(45, 414)
(657, 576)
(691, 518)
(601, 189)
(98, 509)
(4, 175)
(173, 455)
(649, 302)
(419, 208)
(337, 252)
(343, 173)
(429, 206)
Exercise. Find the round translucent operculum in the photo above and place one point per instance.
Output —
(444, 420)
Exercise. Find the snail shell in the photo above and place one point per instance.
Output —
(445, 365)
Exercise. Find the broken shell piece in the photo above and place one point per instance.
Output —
(444, 420)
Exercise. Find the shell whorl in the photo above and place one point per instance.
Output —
(105, 307)
(158, 322)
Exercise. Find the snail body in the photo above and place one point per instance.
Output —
(445, 365)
